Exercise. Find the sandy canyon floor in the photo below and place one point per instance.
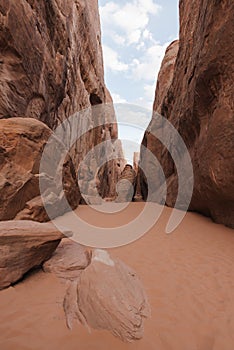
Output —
(188, 277)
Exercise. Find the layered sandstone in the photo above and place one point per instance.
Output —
(23, 246)
(22, 143)
(51, 67)
(126, 185)
(165, 75)
(51, 59)
(199, 103)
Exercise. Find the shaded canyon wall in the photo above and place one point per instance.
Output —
(195, 93)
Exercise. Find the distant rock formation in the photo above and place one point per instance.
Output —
(137, 195)
(195, 93)
(91, 177)
(126, 185)
(23, 246)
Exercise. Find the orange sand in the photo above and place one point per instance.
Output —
(188, 276)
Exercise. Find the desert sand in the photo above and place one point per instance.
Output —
(188, 277)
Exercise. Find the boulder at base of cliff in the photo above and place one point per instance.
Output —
(22, 141)
(23, 246)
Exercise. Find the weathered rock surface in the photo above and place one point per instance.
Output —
(23, 246)
(97, 180)
(199, 103)
(108, 296)
(51, 67)
(68, 261)
(137, 195)
(126, 185)
(165, 75)
(21, 145)
(111, 171)
(51, 59)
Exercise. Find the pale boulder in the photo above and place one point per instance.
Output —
(108, 296)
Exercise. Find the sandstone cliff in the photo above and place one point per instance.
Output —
(51, 58)
(165, 75)
(199, 103)
(51, 67)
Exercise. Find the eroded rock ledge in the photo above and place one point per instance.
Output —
(23, 246)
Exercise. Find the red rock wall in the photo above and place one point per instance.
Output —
(51, 58)
(51, 66)
(200, 104)
(165, 75)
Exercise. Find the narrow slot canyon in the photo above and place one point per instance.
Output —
(116, 175)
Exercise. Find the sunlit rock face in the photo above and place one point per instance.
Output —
(149, 171)
(199, 103)
(21, 146)
(51, 67)
(165, 75)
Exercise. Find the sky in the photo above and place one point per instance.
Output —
(135, 35)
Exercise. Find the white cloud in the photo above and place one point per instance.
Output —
(131, 18)
(150, 6)
(147, 66)
(140, 46)
(134, 36)
(112, 60)
(117, 98)
(149, 90)
(149, 94)
(147, 35)
(147, 98)
(130, 47)
(120, 40)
